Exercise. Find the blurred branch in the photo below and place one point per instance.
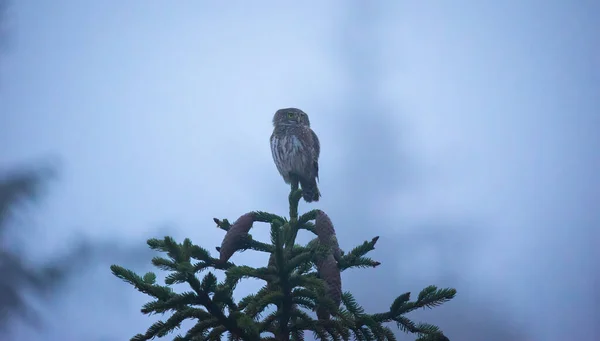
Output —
(18, 187)
(22, 185)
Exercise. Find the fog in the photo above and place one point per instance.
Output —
(463, 134)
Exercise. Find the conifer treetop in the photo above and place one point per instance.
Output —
(299, 283)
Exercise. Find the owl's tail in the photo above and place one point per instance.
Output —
(310, 191)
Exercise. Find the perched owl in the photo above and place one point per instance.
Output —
(295, 148)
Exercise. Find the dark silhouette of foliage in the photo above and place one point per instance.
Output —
(16, 188)
(18, 276)
(300, 282)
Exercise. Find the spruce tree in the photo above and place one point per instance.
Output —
(302, 283)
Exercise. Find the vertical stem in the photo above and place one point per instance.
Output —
(294, 199)
(287, 306)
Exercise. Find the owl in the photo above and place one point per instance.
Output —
(295, 149)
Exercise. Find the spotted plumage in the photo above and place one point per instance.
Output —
(295, 149)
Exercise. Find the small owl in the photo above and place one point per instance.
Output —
(295, 148)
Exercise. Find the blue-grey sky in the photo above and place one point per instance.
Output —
(464, 133)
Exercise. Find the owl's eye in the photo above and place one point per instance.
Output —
(290, 115)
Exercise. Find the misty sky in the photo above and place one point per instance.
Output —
(464, 133)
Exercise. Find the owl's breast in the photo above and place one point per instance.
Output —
(295, 145)
(289, 153)
(287, 146)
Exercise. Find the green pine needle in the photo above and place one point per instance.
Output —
(293, 290)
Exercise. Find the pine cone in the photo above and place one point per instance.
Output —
(326, 233)
(330, 273)
(235, 237)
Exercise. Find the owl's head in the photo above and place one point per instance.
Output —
(290, 117)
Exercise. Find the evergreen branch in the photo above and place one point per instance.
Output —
(286, 304)
(345, 316)
(202, 254)
(400, 301)
(176, 278)
(254, 308)
(266, 217)
(176, 302)
(226, 323)
(304, 293)
(269, 323)
(309, 282)
(303, 258)
(173, 322)
(334, 332)
(246, 323)
(297, 335)
(427, 329)
(200, 297)
(271, 298)
(223, 293)
(216, 333)
(236, 273)
(388, 334)
(374, 327)
(298, 249)
(308, 226)
(209, 283)
(172, 248)
(302, 321)
(304, 302)
(246, 302)
(164, 264)
(355, 258)
(258, 246)
(297, 278)
(348, 262)
(382, 317)
(304, 268)
(310, 215)
(201, 266)
(319, 332)
(366, 333)
(351, 304)
(200, 330)
(432, 337)
(291, 232)
(363, 249)
(293, 226)
(154, 329)
(157, 291)
(222, 224)
(294, 199)
(323, 329)
(432, 296)
(149, 278)
(429, 297)
(319, 249)
(231, 337)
